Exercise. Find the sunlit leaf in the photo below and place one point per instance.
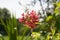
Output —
(53, 31)
(57, 11)
(58, 4)
(48, 18)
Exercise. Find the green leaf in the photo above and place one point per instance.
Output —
(57, 11)
(53, 31)
(58, 4)
(49, 18)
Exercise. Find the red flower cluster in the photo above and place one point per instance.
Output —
(30, 19)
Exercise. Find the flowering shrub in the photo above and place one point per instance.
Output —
(50, 26)
(30, 19)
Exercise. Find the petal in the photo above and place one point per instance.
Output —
(21, 19)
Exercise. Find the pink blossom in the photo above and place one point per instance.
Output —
(30, 18)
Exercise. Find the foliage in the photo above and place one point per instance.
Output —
(4, 13)
(11, 28)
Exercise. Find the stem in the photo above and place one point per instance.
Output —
(31, 30)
